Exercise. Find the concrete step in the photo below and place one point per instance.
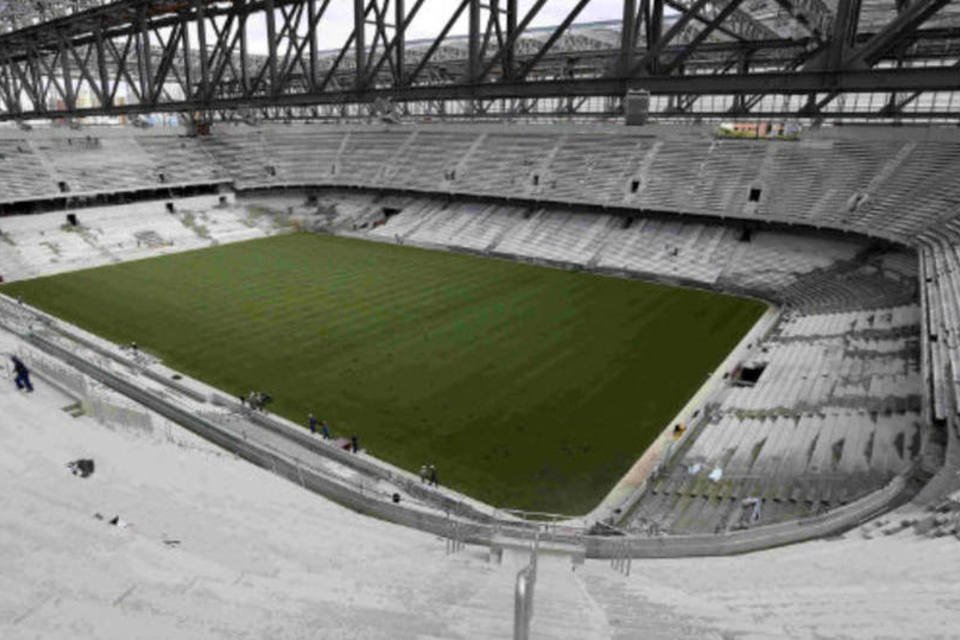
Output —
(562, 607)
(74, 410)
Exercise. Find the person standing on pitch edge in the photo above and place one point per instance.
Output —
(23, 375)
(312, 420)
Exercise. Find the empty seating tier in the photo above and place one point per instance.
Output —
(826, 410)
(876, 182)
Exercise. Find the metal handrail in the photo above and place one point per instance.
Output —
(523, 595)
(621, 561)
(455, 538)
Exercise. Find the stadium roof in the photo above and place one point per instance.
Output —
(17, 14)
(784, 18)
(764, 18)
(746, 50)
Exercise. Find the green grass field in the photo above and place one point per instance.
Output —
(528, 387)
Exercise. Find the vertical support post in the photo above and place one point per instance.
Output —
(359, 40)
(146, 55)
(12, 87)
(204, 54)
(106, 94)
(655, 23)
(845, 25)
(628, 34)
(38, 92)
(187, 55)
(312, 36)
(655, 30)
(902, 5)
(271, 15)
(510, 55)
(244, 55)
(69, 94)
(9, 88)
(400, 35)
(473, 45)
(740, 100)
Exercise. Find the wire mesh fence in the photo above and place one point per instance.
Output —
(106, 412)
(105, 408)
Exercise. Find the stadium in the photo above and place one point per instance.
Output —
(524, 318)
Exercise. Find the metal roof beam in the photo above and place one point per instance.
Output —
(739, 24)
(896, 31)
(813, 15)
(726, 12)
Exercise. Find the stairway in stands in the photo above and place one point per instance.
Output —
(562, 609)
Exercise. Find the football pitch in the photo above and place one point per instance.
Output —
(527, 387)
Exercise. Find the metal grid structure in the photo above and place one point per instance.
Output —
(811, 59)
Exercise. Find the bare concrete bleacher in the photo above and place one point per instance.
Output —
(828, 227)
(870, 181)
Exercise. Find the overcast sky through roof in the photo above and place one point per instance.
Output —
(337, 24)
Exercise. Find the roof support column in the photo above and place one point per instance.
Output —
(359, 41)
(272, 52)
(473, 45)
(204, 54)
(628, 36)
(844, 32)
(510, 52)
(312, 45)
(400, 39)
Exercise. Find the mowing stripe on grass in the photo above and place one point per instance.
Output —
(528, 387)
